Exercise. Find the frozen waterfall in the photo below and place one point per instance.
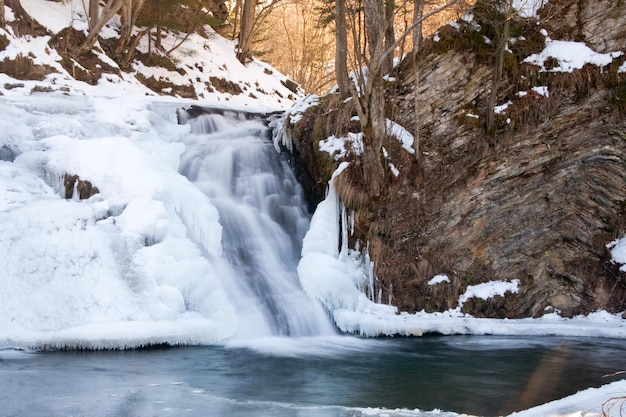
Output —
(264, 217)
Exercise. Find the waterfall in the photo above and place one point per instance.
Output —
(264, 218)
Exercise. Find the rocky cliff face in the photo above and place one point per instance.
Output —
(538, 202)
(599, 23)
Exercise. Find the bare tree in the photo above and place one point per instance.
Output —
(235, 20)
(370, 96)
(111, 8)
(341, 49)
(2, 18)
(93, 13)
(129, 14)
(371, 100)
(503, 30)
(390, 34)
(304, 44)
(244, 51)
(418, 12)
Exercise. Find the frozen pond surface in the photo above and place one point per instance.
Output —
(336, 376)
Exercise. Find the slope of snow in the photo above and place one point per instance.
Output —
(199, 62)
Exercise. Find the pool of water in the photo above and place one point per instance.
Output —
(334, 376)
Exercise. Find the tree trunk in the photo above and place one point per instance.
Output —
(341, 49)
(236, 14)
(497, 70)
(94, 13)
(158, 35)
(129, 14)
(373, 96)
(2, 18)
(375, 25)
(418, 12)
(374, 133)
(126, 18)
(390, 35)
(111, 8)
(244, 52)
(132, 47)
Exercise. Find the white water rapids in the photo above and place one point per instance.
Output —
(264, 216)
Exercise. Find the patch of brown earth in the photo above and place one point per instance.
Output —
(87, 67)
(225, 86)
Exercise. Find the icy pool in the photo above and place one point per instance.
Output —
(336, 376)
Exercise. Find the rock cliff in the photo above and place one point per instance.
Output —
(538, 202)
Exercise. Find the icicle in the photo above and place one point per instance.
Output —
(352, 216)
(75, 194)
(369, 265)
(280, 136)
(390, 295)
(344, 231)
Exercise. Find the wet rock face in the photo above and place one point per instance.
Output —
(539, 207)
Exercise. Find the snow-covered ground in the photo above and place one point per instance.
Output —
(133, 265)
(198, 61)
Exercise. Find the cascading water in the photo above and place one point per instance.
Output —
(264, 219)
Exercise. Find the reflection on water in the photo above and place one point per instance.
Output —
(546, 376)
(333, 376)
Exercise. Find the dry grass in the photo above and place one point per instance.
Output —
(614, 407)
(351, 193)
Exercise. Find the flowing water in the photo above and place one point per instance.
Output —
(335, 376)
(263, 212)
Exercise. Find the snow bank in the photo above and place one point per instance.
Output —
(618, 252)
(570, 56)
(528, 8)
(129, 266)
(403, 135)
(592, 402)
(338, 147)
(488, 290)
